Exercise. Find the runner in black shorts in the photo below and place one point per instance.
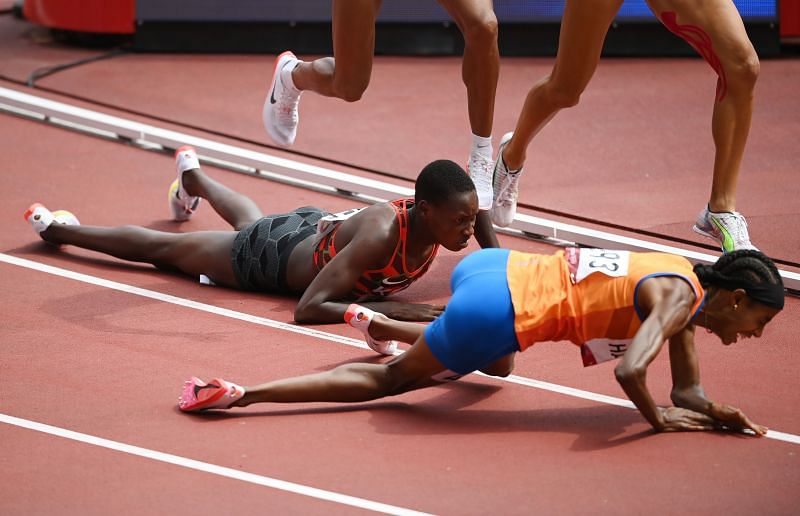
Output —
(361, 255)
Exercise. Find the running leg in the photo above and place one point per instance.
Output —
(583, 30)
(347, 74)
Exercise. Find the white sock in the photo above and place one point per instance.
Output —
(482, 145)
(286, 77)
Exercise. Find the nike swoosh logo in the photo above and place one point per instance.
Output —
(272, 93)
(483, 146)
(392, 281)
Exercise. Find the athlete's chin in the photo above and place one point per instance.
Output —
(458, 246)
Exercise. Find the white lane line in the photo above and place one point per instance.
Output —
(569, 391)
(214, 469)
(283, 167)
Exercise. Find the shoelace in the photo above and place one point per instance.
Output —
(480, 170)
(287, 108)
(737, 226)
(508, 190)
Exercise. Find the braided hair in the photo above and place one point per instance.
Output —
(748, 269)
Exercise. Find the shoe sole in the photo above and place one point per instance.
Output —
(279, 63)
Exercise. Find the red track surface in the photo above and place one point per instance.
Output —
(108, 363)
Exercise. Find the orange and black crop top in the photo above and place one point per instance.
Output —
(394, 276)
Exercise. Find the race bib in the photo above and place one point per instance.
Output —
(584, 262)
(326, 224)
(597, 351)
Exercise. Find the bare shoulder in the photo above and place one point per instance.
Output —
(665, 290)
(373, 228)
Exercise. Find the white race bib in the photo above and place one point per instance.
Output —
(597, 351)
(605, 261)
(326, 224)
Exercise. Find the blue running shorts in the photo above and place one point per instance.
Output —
(477, 327)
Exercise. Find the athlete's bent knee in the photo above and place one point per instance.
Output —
(744, 72)
(481, 33)
(563, 98)
(351, 91)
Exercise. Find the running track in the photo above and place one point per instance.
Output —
(94, 351)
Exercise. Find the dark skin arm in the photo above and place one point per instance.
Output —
(326, 298)
(668, 302)
(688, 393)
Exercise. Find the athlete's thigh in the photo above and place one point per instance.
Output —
(416, 368)
(208, 253)
(583, 30)
(468, 12)
(718, 20)
(354, 39)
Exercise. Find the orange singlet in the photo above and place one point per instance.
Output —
(587, 296)
(392, 277)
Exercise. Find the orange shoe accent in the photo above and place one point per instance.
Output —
(30, 209)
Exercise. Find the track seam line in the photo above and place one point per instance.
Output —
(207, 467)
(225, 312)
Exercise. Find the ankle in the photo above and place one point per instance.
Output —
(190, 181)
(50, 234)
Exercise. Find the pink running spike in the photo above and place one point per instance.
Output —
(218, 393)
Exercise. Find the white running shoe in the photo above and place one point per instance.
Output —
(182, 204)
(506, 188)
(360, 318)
(728, 228)
(41, 218)
(479, 168)
(280, 115)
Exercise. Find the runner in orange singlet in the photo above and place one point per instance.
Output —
(613, 304)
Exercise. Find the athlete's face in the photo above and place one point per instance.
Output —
(741, 318)
(453, 222)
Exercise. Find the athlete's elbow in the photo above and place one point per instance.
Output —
(627, 374)
(305, 313)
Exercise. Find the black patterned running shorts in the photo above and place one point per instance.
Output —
(260, 252)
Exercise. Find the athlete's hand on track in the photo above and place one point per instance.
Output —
(407, 311)
(675, 419)
(732, 418)
(413, 312)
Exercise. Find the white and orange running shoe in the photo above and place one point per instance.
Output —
(280, 113)
(182, 204)
(360, 318)
(40, 217)
(216, 394)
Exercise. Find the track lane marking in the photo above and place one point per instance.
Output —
(122, 287)
(207, 467)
